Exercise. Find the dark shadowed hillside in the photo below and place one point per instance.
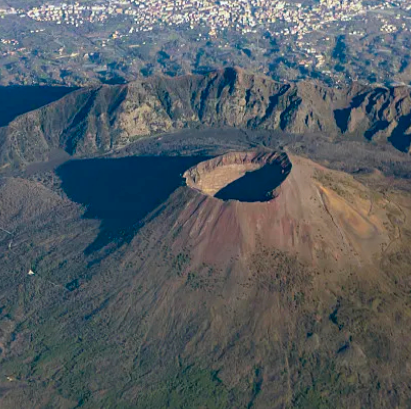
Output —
(19, 100)
(114, 195)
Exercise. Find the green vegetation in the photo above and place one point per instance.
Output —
(190, 388)
(180, 263)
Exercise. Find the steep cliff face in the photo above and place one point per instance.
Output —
(98, 119)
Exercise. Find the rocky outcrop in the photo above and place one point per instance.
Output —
(98, 119)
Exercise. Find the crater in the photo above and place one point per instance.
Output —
(242, 176)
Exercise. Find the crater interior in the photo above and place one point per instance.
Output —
(244, 176)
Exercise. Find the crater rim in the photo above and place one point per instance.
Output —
(252, 176)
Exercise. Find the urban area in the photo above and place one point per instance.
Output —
(286, 40)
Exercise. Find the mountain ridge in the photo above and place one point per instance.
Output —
(99, 119)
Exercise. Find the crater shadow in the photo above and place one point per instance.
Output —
(255, 186)
(121, 192)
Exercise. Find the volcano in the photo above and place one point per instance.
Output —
(242, 198)
(233, 275)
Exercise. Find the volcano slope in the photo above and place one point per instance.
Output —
(299, 300)
(301, 214)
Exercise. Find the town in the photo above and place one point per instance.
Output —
(244, 16)
(118, 40)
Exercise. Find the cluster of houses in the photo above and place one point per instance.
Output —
(216, 15)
